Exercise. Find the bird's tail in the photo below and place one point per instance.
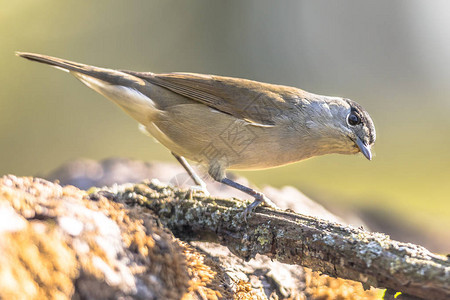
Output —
(107, 75)
(66, 65)
(122, 88)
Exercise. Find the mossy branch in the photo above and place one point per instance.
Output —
(340, 251)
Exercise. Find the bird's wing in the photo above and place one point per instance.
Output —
(259, 103)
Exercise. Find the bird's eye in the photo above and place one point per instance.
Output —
(353, 119)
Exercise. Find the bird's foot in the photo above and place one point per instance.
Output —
(259, 198)
(198, 189)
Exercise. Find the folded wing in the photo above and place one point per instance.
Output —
(255, 102)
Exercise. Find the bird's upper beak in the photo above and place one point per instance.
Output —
(365, 149)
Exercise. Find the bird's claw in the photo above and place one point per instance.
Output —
(259, 198)
(195, 189)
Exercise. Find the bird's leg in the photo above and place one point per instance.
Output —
(200, 185)
(259, 197)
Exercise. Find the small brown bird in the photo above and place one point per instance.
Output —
(229, 123)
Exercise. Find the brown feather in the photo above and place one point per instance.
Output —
(244, 99)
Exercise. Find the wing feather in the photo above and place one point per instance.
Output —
(256, 102)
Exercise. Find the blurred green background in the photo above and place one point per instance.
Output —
(393, 57)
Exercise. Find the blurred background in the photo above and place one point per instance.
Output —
(393, 57)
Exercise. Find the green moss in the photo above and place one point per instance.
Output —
(264, 235)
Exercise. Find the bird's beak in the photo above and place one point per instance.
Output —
(364, 148)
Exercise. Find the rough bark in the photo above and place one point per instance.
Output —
(340, 251)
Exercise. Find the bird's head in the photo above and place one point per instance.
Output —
(342, 125)
(359, 128)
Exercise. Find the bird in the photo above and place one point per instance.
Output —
(229, 123)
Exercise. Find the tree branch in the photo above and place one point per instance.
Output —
(340, 251)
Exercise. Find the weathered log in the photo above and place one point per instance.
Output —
(340, 251)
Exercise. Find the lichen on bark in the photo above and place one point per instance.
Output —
(337, 250)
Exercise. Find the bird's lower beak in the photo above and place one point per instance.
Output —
(364, 148)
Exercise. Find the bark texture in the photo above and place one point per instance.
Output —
(339, 251)
(63, 243)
